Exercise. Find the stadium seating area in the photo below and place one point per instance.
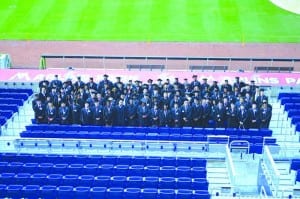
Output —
(111, 177)
(10, 101)
(291, 103)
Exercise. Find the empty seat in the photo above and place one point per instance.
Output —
(39, 178)
(98, 192)
(106, 169)
(182, 161)
(197, 172)
(102, 181)
(22, 178)
(82, 192)
(7, 178)
(151, 182)
(151, 160)
(31, 191)
(184, 194)
(167, 193)
(167, 171)
(65, 192)
(45, 167)
(134, 181)
(54, 179)
(118, 181)
(60, 168)
(14, 191)
(86, 180)
(74, 169)
(136, 170)
(201, 194)
(90, 169)
(30, 167)
(121, 170)
(200, 183)
(183, 171)
(15, 167)
(70, 180)
(132, 193)
(3, 167)
(168, 161)
(149, 193)
(184, 183)
(115, 193)
(2, 190)
(167, 183)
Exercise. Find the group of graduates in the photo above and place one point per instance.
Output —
(160, 104)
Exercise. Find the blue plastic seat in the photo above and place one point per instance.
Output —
(183, 171)
(108, 159)
(22, 178)
(168, 161)
(132, 193)
(151, 182)
(14, 191)
(45, 168)
(106, 169)
(30, 167)
(65, 192)
(197, 172)
(136, 170)
(3, 167)
(115, 193)
(124, 160)
(198, 162)
(184, 183)
(152, 160)
(149, 193)
(2, 190)
(134, 181)
(98, 192)
(70, 180)
(167, 183)
(121, 170)
(31, 191)
(200, 183)
(90, 169)
(118, 181)
(182, 161)
(167, 193)
(60, 168)
(140, 160)
(184, 194)
(201, 194)
(74, 169)
(102, 181)
(86, 180)
(7, 178)
(82, 192)
(151, 170)
(15, 167)
(167, 171)
(54, 179)
(39, 178)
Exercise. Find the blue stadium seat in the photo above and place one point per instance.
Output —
(136, 170)
(121, 170)
(2, 190)
(115, 193)
(184, 183)
(132, 193)
(70, 180)
(168, 161)
(65, 192)
(82, 192)
(167, 171)
(198, 172)
(7, 178)
(151, 182)
(151, 170)
(134, 181)
(98, 192)
(106, 169)
(91, 169)
(201, 194)
(60, 168)
(54, 179)
(30, 167)
(149, 193)
(45, 168)
(15, 167)
(31, 191)
(48, 191)
(167, 193)
(167, 183)
(184, 194)
(86, 180)
(102, 181)
(200, 183)
(183, 171)
(74, 169)
(3, 167)
(39, 178)
(14, 191)
(22, 178)
(118, 181)
(152, 160)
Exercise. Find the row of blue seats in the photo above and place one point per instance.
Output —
(288, 95)
(287, 100)
(184, 130)
(16, 90)
(9, 107)
(289, 106)
(141, 136)
(104, 181)
(102, 159)
(295, 164)
(105, 169)
(293, 112)
(50, 192)
(8, 100)
(22, 96)
(4, 116)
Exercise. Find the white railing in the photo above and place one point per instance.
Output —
(230, 166)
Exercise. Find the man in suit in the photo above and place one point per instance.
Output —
(154, 115)
(206, 112)
(86, 115)
(51, 113)
(186, 112)
(79, 83)
(232, 116)
(196, 113)
(98, 113)
(261, 97)
(195, 82)
(254, 117)
(120, 114)
(64, 113)
(143, 114)
(219, 115)
(75, 112)
(176, 116)
(131, 113)
(242, 117)
(56, 83)
(109, 113)
(165, 117)
(39, 112)
(91, 84)
(265, 115)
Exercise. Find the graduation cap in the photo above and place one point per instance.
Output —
(195, 76)
(118, 77)
(105, 75)
(204, 79)
(159, 80)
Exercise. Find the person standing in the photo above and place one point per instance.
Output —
(86, 115)
(64, 113)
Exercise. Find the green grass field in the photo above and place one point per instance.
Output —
(148, 20)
